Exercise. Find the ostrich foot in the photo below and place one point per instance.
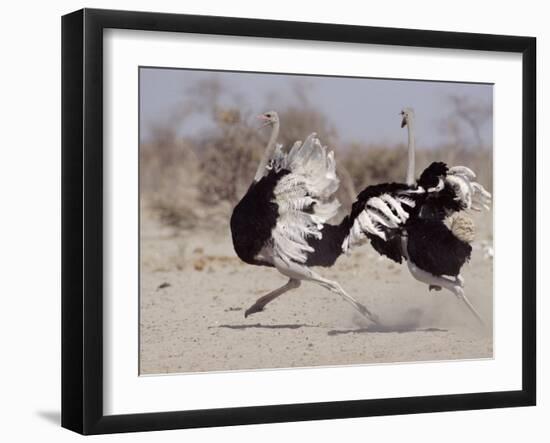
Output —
(369, 315)
(253, 309)
(259, 305)
(459, 292)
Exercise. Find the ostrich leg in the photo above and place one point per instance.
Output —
(299, 272)
(459, 292)
(259, 305)
(455, 285)
(334, 286)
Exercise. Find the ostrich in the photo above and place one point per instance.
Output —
(423, 222)
(281, 220)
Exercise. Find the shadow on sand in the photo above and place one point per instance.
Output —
(260, 326)
(371, 329)
(400, 329)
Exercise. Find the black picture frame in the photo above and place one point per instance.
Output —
(82, 220)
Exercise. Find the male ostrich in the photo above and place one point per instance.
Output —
(281, 220)
(423, 222)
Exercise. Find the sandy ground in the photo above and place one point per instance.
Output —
(195, 290)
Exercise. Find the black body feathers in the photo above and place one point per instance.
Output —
(327, 249)
(391, 247)
(254, 218)
(434, 248)
(430, 176)
(431, 245)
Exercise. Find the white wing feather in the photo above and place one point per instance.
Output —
(384, 208)
(304, 197)
(381, 215)
(470, 193)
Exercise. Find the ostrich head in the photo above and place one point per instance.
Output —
(407, 115)
(270, 118)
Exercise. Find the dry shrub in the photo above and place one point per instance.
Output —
(380, 164)
(375, 164)
(191, 182)
(169, 178)
(228, 157)
(298, 122)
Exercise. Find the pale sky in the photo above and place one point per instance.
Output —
(362, 109)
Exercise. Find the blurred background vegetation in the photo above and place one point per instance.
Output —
(197, 179)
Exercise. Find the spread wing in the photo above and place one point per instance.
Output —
(304, 196)
(382, 212)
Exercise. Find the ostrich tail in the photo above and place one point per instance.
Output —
(462, 227)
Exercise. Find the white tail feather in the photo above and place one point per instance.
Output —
(469, 192)
(463, 170)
